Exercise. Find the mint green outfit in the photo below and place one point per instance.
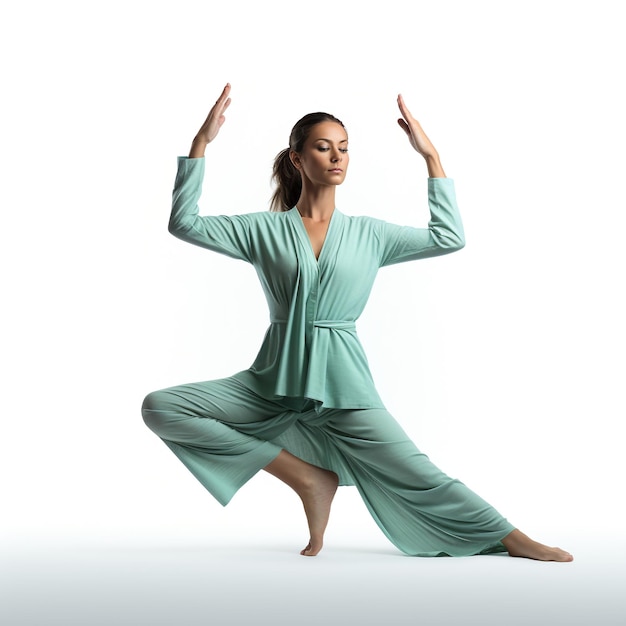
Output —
(310, 390)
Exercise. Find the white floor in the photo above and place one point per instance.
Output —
(166, 582)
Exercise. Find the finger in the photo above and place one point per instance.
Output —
(404, 126)
(224, 94)
(404, 109)
(221, 104)
(402, 106)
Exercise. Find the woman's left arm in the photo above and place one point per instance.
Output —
(419, 140)
(445, 229)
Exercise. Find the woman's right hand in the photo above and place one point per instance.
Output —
(208, 131)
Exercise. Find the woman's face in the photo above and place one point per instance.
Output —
(324, 157)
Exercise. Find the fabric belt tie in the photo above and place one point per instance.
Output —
(336, 324)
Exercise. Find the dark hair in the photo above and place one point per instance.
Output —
(284, 172)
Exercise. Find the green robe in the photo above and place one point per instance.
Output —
(311, 349)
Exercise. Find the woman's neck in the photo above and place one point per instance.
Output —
(317, 204)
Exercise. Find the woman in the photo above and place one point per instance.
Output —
(307, 410)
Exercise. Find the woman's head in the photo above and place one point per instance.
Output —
(285, 173)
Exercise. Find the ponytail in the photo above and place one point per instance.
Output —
(288, 183)
(284, 172)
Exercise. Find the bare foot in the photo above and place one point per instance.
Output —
(317, 498)
(316, 488)
(520, 545)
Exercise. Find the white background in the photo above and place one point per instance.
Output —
(505, 362)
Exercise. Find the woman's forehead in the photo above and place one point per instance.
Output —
(331, 131)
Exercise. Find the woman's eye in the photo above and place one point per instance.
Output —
(323, 148)
(343, 149)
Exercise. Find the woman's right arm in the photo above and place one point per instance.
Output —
(228, 235)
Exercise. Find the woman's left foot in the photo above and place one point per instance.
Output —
(520, 545)
(317, 499)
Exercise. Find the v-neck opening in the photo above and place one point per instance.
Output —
(308, 237)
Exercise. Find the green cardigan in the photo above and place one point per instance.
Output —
(311, 351)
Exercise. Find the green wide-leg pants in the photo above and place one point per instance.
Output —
(224, 433)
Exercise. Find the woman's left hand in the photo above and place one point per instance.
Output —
(415, 133)
(419, 140)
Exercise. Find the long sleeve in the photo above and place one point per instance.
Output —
(229, 235)
(443, 235)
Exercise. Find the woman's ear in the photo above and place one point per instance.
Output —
(295, 159)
